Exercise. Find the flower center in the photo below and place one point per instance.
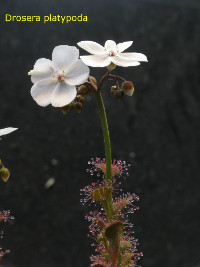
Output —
(59, 75)
(111, 50)
(60, 78)
(111, 53)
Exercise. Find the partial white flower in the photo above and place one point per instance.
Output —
(110, 53)
(7, 130)
(55, 81)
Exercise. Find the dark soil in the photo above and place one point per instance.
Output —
(157, 131)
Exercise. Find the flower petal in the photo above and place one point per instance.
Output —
(43, 69)
(133, 56)
(63, 94)
(7, 130)
(110, 45)
(92, 47)
(42, 91)
(123, 62)
(64, 55)
(123, 46)
(96, 61)
(77, 73)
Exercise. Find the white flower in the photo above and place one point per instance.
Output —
(110, 53)
(55, 81)
(7, 130)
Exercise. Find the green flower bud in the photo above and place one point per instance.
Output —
(118, 94)
(66, 108)
(4, 174)
(82, 99)
(78, 97)
(94, 80)
(113, 90)
(77, 106)
(127, 88)
(83, 90)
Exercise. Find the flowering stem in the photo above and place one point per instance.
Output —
(115, 231)
(104, 124)
(105, 77)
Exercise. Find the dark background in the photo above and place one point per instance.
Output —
(157, 131)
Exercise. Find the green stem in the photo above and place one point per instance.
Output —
(114, 242)
(104, 124)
